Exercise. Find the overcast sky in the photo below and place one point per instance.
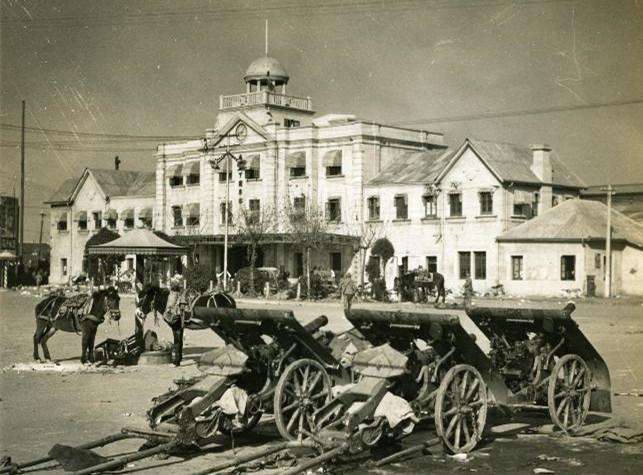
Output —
(158, 68)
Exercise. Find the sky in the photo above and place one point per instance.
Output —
(157, 68)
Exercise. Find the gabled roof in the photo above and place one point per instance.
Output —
(512, 163)
(232, 122)
(111, 182)
(64, 192)
(576, 220)
(414, 167)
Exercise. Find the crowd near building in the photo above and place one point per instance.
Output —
(496, 212)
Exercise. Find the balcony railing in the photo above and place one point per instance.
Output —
(265, 97)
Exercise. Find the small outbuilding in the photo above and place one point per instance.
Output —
(563, 249)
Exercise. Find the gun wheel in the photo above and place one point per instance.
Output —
(461, 408)
(303, 388)
(569, 393)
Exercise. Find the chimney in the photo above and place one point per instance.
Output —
(541, 163)
(541, 166)
(117, 162)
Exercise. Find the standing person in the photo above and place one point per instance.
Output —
(347, 290)
(468, 291)
(174, 317)
(438, 281)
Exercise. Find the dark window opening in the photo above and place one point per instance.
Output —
(297, 172)
(486, 202)
(334, 210)
(222, 176)
(523, 209)
(111, 223)
(568, 268)
(252, 173)
(374, 208)
(334, 171)
(597, 260)
(82, 224)
(98, 218)
(336, 262)
(254, 207)
(455, 204)
(62, 225)
(480, 261)
(193, 179)
(404, 266)
(516, 268)
(291, 123)
(128, 223)
(63, 266)
(432, 264)
(177, 215)
(401, 207)
(465, 264)
(176, 180)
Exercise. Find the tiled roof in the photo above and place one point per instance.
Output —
(513, 163)
(124, 183)
(64, 191)
(576, 220)
(414, 167)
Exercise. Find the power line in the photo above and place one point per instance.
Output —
(80, 149)
(72, 133)
(515, 113)
(336, 9)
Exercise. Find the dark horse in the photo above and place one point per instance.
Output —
(176, 309)
(71, 314)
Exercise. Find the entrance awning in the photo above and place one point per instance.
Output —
(296, 160)
(145, 213)
(252, 161)
(193, 210)
(176, 170)
(192, 168)
(141, 242)
(333, 158)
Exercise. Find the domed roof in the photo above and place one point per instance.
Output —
(264, 67)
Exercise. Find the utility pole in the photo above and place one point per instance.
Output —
(42, 219)
(608, 244)
(22, 186)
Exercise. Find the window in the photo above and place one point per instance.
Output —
(177, 215)
(404, 266)
(193, 214)
(62, 222)
(334, 171)
(465, 264)
(334, 210)
(252, 173)
(176, 180)
(63, 266)
(299, 203)
(128, 218)
(534, 206)
(98, 219)
(480, 261)
(336, 262)
(486, 203)
(129, 223)
(298, 264)
(222, 212)
(374, 208)
(430, 206)
(522, 209)
(516, 267)
(455, 204)
(254, 206)
(401, 207)
(291, 123)
(432, 264)
(82, 221)
(192, 179)
(297, 172)
(597, 260)
(222, 176)
(568, 268)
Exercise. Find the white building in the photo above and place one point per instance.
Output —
(119, 200)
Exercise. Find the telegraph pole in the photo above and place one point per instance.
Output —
(608, 244)
(22, 185)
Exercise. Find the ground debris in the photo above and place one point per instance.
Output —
(541, 470)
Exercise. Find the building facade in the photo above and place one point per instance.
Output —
(119, 200)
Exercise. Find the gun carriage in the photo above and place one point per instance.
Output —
(426, 361)
(542, 358)
(270, 363)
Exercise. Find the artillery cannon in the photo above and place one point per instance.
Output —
(426, 361)
(271, 363)
(542, 358)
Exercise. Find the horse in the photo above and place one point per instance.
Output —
(70, 314)
(176, 309)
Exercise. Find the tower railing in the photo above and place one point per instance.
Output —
(265, 97)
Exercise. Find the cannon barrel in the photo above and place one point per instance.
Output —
(505, 313)
(314, 325)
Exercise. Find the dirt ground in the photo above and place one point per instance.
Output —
(71, 405)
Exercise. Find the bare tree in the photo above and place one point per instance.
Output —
(308, 228)
(367, 233)
(253, 229)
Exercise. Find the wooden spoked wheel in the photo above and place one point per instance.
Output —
(303, 388)
(569, 393)
(461, 408)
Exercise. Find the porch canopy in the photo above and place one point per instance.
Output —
(141, 242)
